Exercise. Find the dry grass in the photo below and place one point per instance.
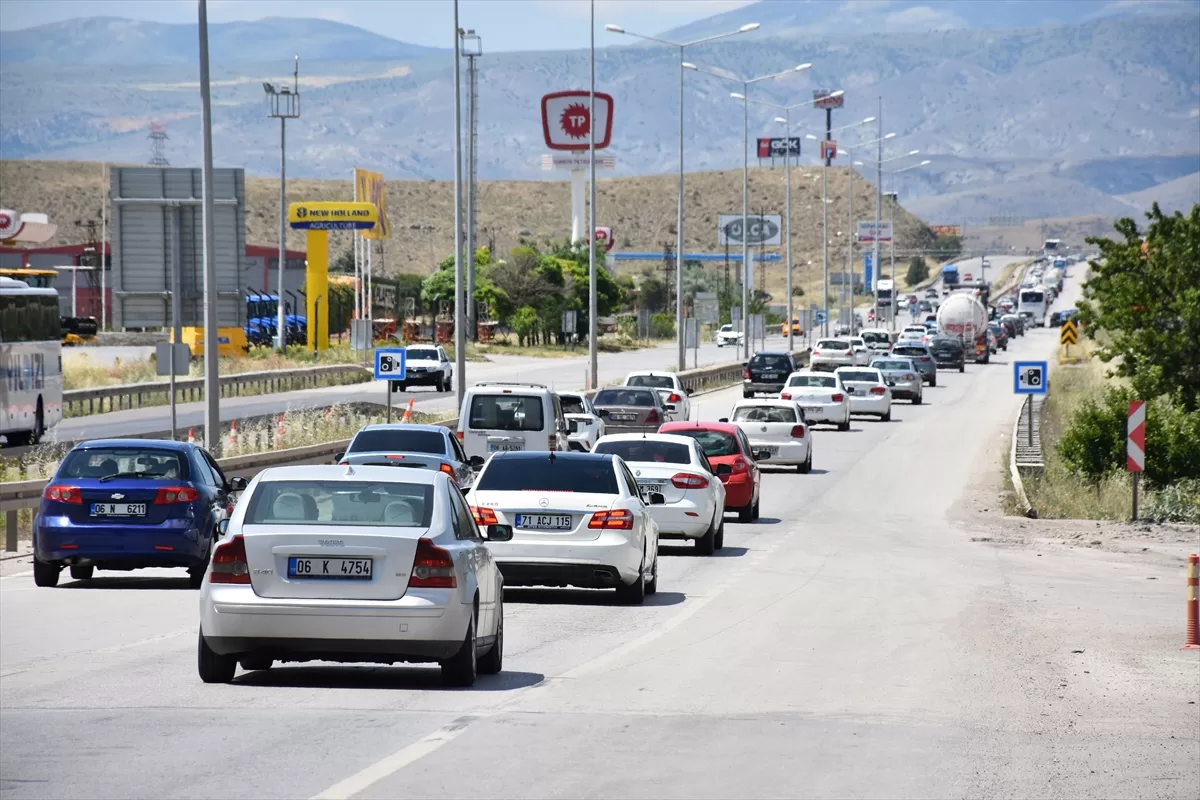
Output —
(641, 210)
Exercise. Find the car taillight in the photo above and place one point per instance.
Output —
(746, 373)
(652, 416)
(837, 398)
(229, 562)
(674, 398)
(816, 352)
(483, 515)
(909, 376)
(433, 568)
(849, 352)
(785, 395)
(877, 390)
(449, 470)
(63, 494)
(926, 358)
(619, 519)
(552, 441)
(167, 495)
(459, 435)
(686, 480)
(797, 431)
(740, 465)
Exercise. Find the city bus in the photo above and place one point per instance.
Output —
(1032, 301)
(31, 380)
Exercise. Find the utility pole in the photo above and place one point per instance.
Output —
(212, 386)
(460, 339)
(879, 213)
(285, 105)
(593, 303)
(472, 48)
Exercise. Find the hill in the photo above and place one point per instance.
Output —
(1177, 195)
(640, 210)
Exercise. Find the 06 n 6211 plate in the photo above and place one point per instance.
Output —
(320, 568)
(118, 509)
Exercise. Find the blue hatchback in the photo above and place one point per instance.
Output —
(124, 504)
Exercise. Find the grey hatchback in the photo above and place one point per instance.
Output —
(948, 353)
(922, 358)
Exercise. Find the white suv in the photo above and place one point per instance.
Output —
(670, 389)
(426, 365)
(499, 417)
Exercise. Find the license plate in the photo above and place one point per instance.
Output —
(770, 376)
(773, 449)
(650, 486)
(623, 417)
(317, 567)
(118, 509)
(505, 448)
(813, 409)
(543, 522)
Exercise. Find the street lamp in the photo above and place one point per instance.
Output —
(892, 214)
(752, 26)
(747, 272)
(283, 105)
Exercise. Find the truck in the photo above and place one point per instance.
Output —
(885, 292)
(965, 318)
(949, 277)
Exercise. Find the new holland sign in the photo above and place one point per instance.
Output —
(333, 216)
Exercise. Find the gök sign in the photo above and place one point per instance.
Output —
(566, 120)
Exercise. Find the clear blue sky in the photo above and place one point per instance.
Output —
(503, 24)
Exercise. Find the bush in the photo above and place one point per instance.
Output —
(918, 271)
(662, 326)
(1177, 503)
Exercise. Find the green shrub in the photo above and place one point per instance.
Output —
(1179, 502)
(662, 326)
(918, 271)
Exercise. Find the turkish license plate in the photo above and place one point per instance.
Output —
(813, 410)
(650, 486)
(773, 449)
(545, 522)
(770, 376)
(623, 417)
(506, 447)
(317, 567)
(118, 509)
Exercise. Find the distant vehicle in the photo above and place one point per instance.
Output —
(877, 339)
(630, 409)
(948, 353)
(779, 428)
(999, 334)
(821, 395)
(931, 293)
(1032, 302)
(962, 315)
(726, 443)
(950, 276)
(885, 292)
(669, 387)
(728, 336)
(796, 329)
(1017, 321)
(499, 417)
(31, 355)
(829, 354)
(902, 375)
(869, 392)
(862, 355)
(408, 446)
(767, 372)
(921, 357)
(426, 365)
(588, 427)
(967, 278)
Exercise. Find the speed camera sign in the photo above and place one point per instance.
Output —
(1030, 377)
(390, 364)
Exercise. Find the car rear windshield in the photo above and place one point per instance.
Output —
(909, 351)
(647, 450)
(769, 361)
(338, 502)
(124, 462)
(859, 375)
(893, 365)
(1032, 297)
(624, 397)
(876, 337)
(421, 354)
(778, 413)
(391, 440)
(506, 412)
(832, 344)
(653, 381)
(816, 381)
(572, 404)
(549, 475)
(713, 443)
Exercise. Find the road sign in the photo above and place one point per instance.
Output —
(568, 321)
(707, 307)
(333, 216)
(1135, 446)
(1030, 377)
(874, 231)
(604, 237)
(162, 358)
(691, 333)
(765, 229)
(821, 316)
(779, 148)
(566, 120)
(822, 99)
(391, 364)
(828, 149)
(1069, 333)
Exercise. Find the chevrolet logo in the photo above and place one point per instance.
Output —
(118, 496)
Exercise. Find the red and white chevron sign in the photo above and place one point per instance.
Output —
(1135, 448)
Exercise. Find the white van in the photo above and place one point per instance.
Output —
(497, 417)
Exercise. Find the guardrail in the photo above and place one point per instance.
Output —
(16, 496)
(1025, 449)
(81, 402)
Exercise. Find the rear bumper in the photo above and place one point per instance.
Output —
(551, 563)
(117, 546)
(421, 626)
(761, 387)
(831, 413)
(950, 363)
(870, 405)
(682, 520)
(790, 454)
(421, 379)
(907, 391)
(824, 364)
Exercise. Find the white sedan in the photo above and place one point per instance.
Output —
(862, 355)
(778, 427)
(829, 354)
(676, 467)
(578, 519)
(869, 392)
(821, 395)
(346, 563)
(669, 387)
(577, 407)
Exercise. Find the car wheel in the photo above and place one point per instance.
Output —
(492, 662)
(746, 513)
(707, 543)
(916, 401)
(806, 467)
(652, 584)
(962, 367)
(886, 417)
(45, 573)
(933, 382)
(82, 572)
(844, 426)
(256, 663)
(461, 669)
(196, 571)
(633, 594)
(754, 512)
(747, 395)
(720, 538)
(401, 386)
(213, 667)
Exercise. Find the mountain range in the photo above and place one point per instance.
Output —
(1034, 107)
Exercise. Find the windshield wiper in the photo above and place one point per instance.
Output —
(132, 475)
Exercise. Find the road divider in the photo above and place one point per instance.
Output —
(1192, 640)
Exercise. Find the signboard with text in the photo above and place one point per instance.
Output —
(822, 99)
(873, 231)
(567, 124)
(941, 231)
(779, 148)
(763, 229)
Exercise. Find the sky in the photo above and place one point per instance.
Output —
(509, 24)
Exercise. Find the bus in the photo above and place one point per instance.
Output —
(1032, 301)
(31, 379)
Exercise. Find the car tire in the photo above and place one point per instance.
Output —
(196, 571)
(886, 417)
(962, 368)
(633, 594)
(754, 511)
(257, 663)
(747, 395)
(492, 662)
(706, 545)
(401, 386)
(844, 426)
(806, 467)
(746, 513)
(720, 537)
(933, 381)
(916, 401)
(652, 584)
(462, 668)
(45, 574)
(213, 667)
(82, 572)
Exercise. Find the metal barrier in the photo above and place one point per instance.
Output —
(1025, 449)
(20, 495)
(102, 399)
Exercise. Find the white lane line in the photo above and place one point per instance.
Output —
(410, 754)
(17, 575)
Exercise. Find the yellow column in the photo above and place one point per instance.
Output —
(317, 289)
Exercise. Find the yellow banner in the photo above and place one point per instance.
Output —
(369, 189)
(332, 216)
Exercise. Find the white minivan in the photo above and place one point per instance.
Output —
(499, 417)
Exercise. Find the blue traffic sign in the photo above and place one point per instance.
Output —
(1031, 377)
(391, 364)
(821, 316)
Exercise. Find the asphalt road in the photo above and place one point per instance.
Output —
(854, 642)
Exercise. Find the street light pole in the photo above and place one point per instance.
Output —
(284, 106)
(593, 305)
(460, 343)
(787, 204)
(879, 213)
(212, 386)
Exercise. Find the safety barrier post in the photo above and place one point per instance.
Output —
(1192, 642)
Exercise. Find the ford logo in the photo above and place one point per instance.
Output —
(761, 230)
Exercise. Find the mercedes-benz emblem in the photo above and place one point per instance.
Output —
(545, 501)
(764, 428)
(118, 496)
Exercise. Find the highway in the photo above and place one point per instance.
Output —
(864, 638)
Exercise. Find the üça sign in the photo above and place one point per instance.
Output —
(762, 229)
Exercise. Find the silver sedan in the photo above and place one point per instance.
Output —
(903, 377)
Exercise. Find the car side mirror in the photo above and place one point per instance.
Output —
(657, 499)
(723, 419)
(573, 426)
(222, 527)
(602, 413)
(762, 455)
(724, 469)
(237, 484)
(498, 533)
(338, 457)
(476, 461)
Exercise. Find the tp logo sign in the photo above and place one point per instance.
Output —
(566, 122)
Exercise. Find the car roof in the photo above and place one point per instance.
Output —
(652, 373)
(623, 388)
(403, 426)
(157, 444)
(772, 353)
(530, 455)
(703, 425)
(649, 437)
(764, 401)
(327, 472)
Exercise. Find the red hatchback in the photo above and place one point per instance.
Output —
(725, 443)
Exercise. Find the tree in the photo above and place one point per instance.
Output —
(519, 279)
(918, 271)
(1142, 305)
(524, 323)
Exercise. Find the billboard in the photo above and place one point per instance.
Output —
(941, 231)
(873, 231)
(822, 99)
(779, 148)
(368, 188)
(566, 124)
(763, 229)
